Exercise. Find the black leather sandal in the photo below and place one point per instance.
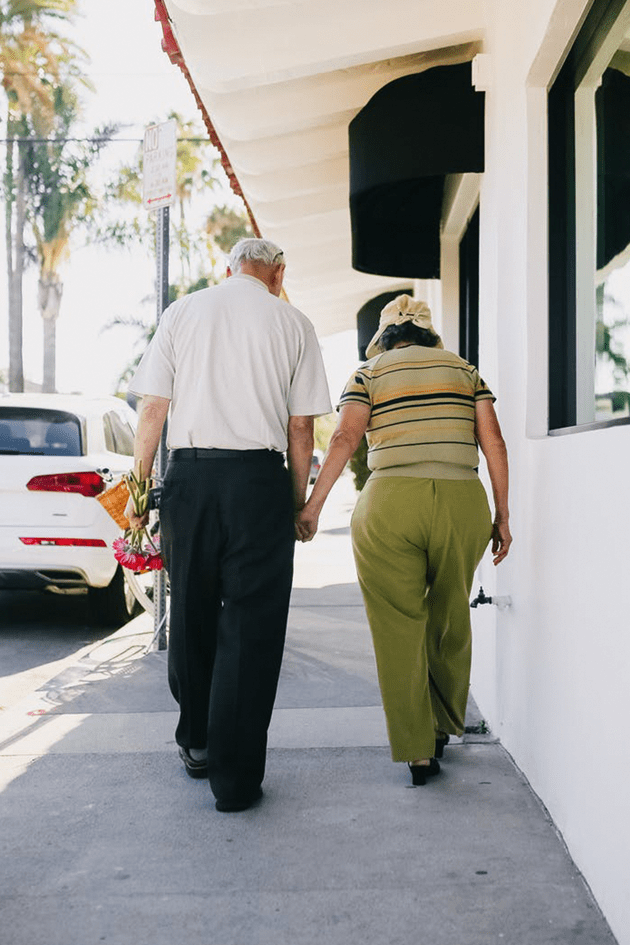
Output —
(420, 773)
(440, 742)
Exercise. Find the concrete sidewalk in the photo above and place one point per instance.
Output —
(105, 839)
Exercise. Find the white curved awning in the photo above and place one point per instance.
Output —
(280, 81)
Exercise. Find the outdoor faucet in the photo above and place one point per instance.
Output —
(501, 602)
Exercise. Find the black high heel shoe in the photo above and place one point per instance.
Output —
(420, 773)
(440, 742)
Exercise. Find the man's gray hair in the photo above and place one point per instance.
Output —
(255, 251)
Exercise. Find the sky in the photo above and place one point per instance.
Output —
(136, 85)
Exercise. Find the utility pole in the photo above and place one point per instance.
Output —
(159, 169)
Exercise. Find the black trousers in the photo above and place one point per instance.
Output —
(228, 541)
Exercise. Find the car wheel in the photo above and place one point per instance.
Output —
(114, 604)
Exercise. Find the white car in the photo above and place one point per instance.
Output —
(54, 534)
(316, 465)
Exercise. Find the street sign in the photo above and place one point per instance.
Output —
(159, 158)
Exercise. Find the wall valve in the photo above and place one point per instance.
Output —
(501, 602)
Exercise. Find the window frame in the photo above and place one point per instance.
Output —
(562, 231)
(469, 290)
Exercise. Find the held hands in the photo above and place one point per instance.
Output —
(306, 521)
(501, 540)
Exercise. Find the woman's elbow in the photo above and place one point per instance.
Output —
(345, 440)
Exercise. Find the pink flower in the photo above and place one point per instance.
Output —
(132, 555)
(122, 548)
(154, 563)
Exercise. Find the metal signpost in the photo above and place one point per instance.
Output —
(158, 193)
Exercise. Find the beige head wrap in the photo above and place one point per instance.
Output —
(402, 309)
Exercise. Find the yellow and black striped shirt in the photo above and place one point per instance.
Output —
(422, 420)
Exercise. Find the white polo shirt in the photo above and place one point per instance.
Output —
(236, 363)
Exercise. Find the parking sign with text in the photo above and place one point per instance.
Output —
(159, 159)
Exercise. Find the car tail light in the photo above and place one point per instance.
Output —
(67, 542)
(83, 483)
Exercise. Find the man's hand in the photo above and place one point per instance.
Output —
(135, 521)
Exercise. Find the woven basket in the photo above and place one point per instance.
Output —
(114, 501)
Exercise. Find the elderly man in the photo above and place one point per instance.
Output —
(242, 372)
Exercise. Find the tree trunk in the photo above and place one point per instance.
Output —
(14, 205)
(50, 356)
(49, 296)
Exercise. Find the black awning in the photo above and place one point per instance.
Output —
(409, 136)
(369, 316)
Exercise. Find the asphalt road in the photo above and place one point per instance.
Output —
(43, 634)
(38, 633)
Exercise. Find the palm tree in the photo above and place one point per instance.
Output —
(30, 58)
(58, 200)
(196, 173)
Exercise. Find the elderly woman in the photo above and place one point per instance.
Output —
(421, 523)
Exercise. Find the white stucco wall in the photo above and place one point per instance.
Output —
(551, 674)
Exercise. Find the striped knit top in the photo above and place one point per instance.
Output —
(422, 420)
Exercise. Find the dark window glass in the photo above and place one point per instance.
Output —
(26, 431)
(469, 291)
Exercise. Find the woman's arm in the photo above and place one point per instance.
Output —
(352, 424)
(490, 439)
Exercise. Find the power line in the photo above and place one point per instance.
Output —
(30, 74)
(99, 139)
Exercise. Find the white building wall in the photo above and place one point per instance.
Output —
(551, 674)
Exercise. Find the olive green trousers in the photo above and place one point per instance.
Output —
(416, 544)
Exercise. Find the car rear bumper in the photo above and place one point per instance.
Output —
(55, 579)
(33, 565)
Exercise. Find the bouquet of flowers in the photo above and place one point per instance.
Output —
(137, 550)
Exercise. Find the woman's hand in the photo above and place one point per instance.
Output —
(352, 424)
(490, 439)
(306, 521)
(501, 540)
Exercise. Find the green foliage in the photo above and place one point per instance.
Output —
(34, 59)
(38, 67)
(29, 9)
(610, 333)
(196, 246)
(359, 466)
(59, 195)
(199, 248)
(324, 429)
(226, 226)
(607, 344)
(177, 290)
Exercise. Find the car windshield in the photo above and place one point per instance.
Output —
(28, 430)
